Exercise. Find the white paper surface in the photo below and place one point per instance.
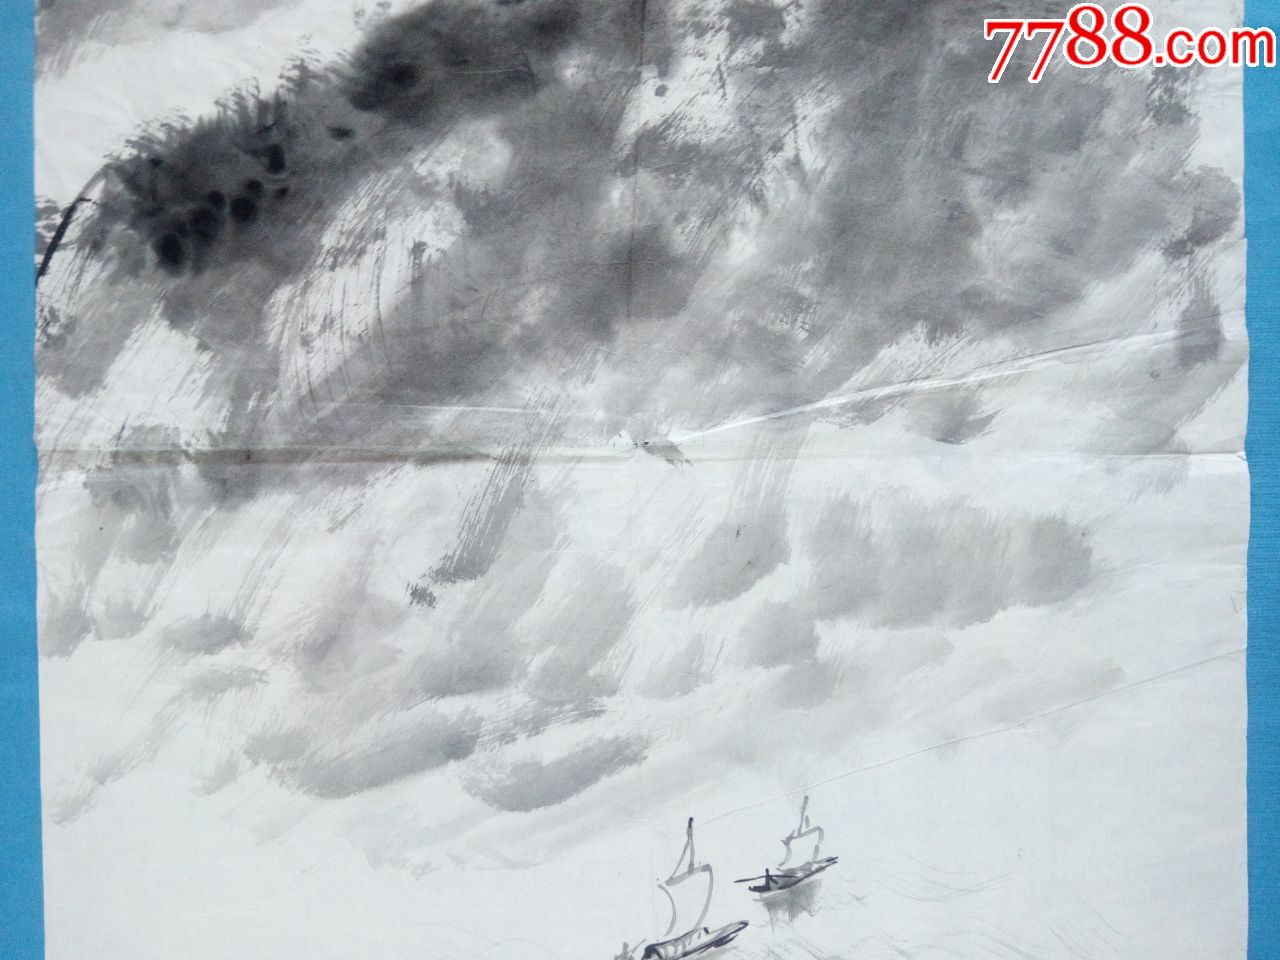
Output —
(608, 426)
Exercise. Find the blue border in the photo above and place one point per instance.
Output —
(1262, 444)
(21, 887)
(21, 884)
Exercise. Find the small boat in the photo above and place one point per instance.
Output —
(784, 877)
(698, 939)
(694, 942)
(774, 880)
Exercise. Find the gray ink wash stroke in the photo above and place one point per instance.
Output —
(763, 342)
(528, 785)
(949, 564)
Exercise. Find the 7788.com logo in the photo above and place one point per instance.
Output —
(1129, 41)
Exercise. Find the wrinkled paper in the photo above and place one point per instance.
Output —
(479, 436)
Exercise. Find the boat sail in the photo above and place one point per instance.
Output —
(784, 877)
(696, 939)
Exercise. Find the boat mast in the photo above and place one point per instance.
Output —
(679, 876)
(803, 830)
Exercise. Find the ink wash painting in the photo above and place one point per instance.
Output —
(512, 468)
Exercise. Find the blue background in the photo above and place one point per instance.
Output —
(1262, 445)
(21, 892)
(21, 895)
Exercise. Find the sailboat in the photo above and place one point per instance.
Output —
(784, 877)
(697, 939)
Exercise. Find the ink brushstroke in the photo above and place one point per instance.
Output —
(448, 416)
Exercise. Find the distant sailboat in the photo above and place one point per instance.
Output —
(697, 939)
(784, 877)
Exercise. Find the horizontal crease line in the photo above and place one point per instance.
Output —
(266, 456)
(1011, 367)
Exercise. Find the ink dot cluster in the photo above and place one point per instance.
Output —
(196, 191)
(184, 230)
(189, 190)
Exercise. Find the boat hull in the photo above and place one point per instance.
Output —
(786, 879)
(694, 943)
